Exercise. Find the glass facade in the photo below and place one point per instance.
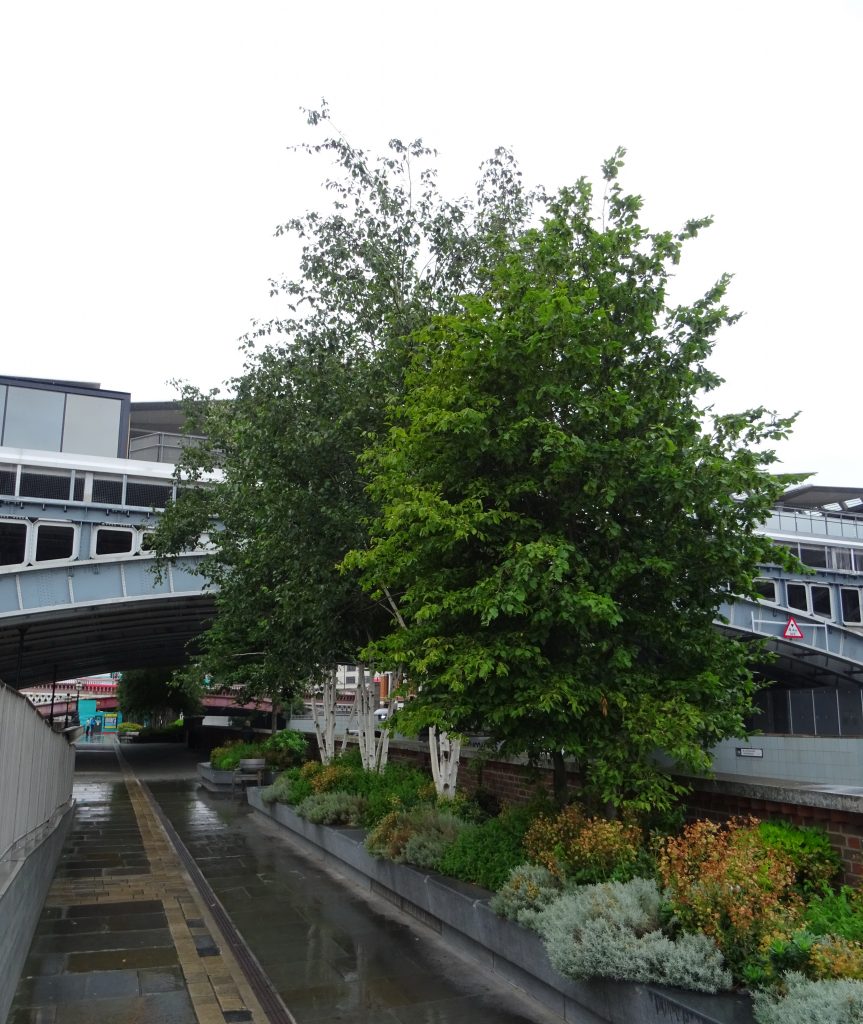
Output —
(56, 417)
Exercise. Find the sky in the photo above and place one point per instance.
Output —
(147, 161)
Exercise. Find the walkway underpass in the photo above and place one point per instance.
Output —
(125, 935)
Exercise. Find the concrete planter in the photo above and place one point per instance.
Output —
(217, 781)
(460, 914)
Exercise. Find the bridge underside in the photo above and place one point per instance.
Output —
(86, 640)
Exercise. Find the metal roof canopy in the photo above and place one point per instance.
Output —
(102, 638)
(827, 499)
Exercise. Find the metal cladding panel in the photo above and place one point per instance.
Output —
(8, 593)
(140, 581)
(44, 588)
(96, 582)
(183, 577)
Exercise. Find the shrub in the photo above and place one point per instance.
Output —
(836, 913)
(286, 748)
(330, 777)
(415, 836)
(335, 808)
(228, 757)
(291, 787)
(528, 890)
(485, 854)
(129, 727)
(810, 1002)
(612, 930)
(548, 835)
(721, 880)
(816, 863)
(833, 957)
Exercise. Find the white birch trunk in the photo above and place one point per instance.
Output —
(324, 716)
(373, 749)
(444, 751)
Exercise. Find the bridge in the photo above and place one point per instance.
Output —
(77, 592)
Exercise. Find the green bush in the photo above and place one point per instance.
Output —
(816, 863)
(612, 930)
(291, 787)
(418, 835)
(810, 1002)
(332, 809)
(529, 889)
(286, 748)
(170, 733)
(228, 757)
(836, 913)
(486, 854)
(129, 727)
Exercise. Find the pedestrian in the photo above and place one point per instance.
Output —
(87, 730)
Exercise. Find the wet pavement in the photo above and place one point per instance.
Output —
(125, 936)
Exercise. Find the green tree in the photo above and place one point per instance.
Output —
(290, 495)
(560, 518)
(158, 695)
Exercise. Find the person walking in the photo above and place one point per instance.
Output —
(87, 730)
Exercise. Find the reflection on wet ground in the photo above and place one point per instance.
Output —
(329, 952)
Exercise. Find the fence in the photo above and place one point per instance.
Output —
(36, 766)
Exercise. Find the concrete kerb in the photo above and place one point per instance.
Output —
(461, 914)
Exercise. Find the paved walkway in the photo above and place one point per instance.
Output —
(126, 934)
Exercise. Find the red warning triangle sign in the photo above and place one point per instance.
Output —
(792, 630)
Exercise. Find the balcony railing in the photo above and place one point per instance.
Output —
(816, 524)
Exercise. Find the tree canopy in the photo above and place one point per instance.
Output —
(291, 501)
(559, 516)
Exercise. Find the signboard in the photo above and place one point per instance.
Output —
(792, 630)
(110, 721)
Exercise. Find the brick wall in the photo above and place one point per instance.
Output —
(518, 783)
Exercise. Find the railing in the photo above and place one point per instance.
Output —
(815, 523)
(36, 766)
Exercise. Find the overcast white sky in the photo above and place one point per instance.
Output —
(145, 166)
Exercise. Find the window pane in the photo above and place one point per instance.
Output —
(766, 590)
(147, 540)
(54, 542)
(34, 419)
(778, 708)
(814, 556)
(858, 559)
(821, 602)
(826, 712)
(13, 542)
(802, 713)
(92, 426)
(850, 712)
(841, 559)
(850, 605)
(797, 596)
(113, 542)
(79, 489)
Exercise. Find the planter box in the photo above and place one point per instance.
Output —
(460, 914)
(217, 781)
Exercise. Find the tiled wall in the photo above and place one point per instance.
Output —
(810, 759)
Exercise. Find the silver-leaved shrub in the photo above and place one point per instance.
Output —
(811, 1002)
(612, 930)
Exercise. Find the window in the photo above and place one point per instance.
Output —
(850, 598)
(821, 604)
(815, 557)
(147, 495)
(766, 590)
(13, 543)
(841, 559)
(54, 542)
(797, 596)
(147, 540)
(113, 542)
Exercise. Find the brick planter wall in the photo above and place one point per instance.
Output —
(718, 799)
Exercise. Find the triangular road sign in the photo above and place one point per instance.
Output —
(792, 630)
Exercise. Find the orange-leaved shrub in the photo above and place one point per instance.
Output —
(586, 850)
(722, 880)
